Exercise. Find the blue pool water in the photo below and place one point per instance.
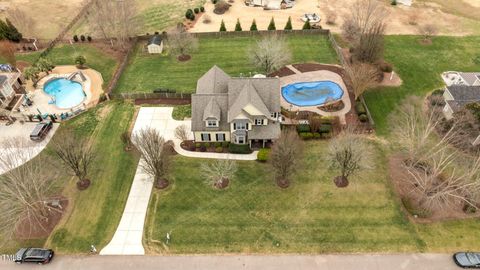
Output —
(67, 94)
(311, 93)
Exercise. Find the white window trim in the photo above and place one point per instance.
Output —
(258, 121)
(244, 126)
(209, 122)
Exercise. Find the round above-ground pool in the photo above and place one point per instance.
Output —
(311, 93)
(66, 94)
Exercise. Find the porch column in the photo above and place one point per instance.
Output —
(263, 143)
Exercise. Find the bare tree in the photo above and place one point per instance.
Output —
(270, 53)
(182, 132)
(315, 122)
(182, 43)
(363, 76)
(364, 27)
(219, 173)
(427, 31)
(7, 52)
(76, 155)
(115, 20)
(348, 153)
(156, 156)
(24, 190)
(22, 21)
(286, 156)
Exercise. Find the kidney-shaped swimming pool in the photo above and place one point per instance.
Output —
(311, 93)
(67, 94)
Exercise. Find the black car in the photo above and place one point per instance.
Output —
(467, 259)
(40, 131)
(34, 255)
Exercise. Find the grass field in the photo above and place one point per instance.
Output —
(420, 67)
(65, 55)
(146, 72)
(312, 216)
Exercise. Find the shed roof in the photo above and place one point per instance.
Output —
(156, 39)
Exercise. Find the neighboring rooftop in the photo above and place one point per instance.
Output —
(3, 79)
(464, 92)
(470, 77)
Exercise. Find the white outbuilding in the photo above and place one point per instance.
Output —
(155, 44)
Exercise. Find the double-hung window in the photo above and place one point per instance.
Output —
(212, 123)
(241, 126)
(258, 122)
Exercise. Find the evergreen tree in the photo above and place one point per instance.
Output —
(307, 25)
(3, 30)
(271, 26)
(222, 27)
(288, 26)
(13, 34)
(238, 26)
(253, 27)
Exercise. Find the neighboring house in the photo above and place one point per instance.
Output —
(237, 110)
(457, 96)
(461, 78)
(155, 44)
(11, 89)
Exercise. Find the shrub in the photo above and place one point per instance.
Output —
(317, 135)
(225, 144)
(75, 38)
(476, 60)
(82, 38)
(393, 3)
(438, 92)
(271, 25)
(360, 108)
(385, 67)
(306, 135)
(288, 26)
(307, 25)
(222, 27)
(202, 9)
(363, 118)
(221, 7)
(218, 144)
(325, 129)
(203, 148)
(89, 38)
(207, 144)
(192, 147)
(413, 210)
(196, 10)
(253, 27)
(189, 14)
(239, 148)
(80, 61)
(214, 1)
(219, 149)
(238, 26)
(198, 145)
(263, 155)
(303, 128)
(474, 108)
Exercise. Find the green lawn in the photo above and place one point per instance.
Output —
(253, 215)
(65, 55)
(96, 211)
(420, 67)
(147, 72)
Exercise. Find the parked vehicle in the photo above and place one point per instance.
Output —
(312, 17)
(34, 255)
(467, 259)
(41, 130)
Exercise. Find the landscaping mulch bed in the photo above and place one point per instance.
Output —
(165, 101)
(27, 230)
(398, 175)
(284, 71)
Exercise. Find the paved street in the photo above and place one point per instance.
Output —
(287, 262)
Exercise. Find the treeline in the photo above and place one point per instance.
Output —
(9, 32)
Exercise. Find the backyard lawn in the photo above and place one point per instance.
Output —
(420, 67)
(96, 211)
(148, 72)
(65, 55)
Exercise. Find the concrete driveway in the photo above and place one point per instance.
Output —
(29, 148)
(282, 262)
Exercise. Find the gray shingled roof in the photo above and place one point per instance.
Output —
(267, 88)
(214, 81)
(156, 39)
(248, 95)
(200, 102)
(457, 105)
(212, 110)
(270, 131)
(3, 79)
(464, 92)
(470, 77)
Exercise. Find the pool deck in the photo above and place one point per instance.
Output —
(92, 88)
(313, 76)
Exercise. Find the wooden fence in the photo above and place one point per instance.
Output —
(186, 96)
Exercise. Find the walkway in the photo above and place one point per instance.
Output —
(127, 239)
(230, 262)
(321, 75)
(28, 148)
